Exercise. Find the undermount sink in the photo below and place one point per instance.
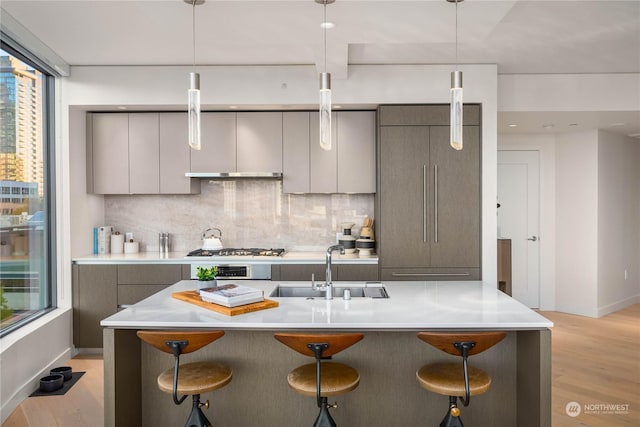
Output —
(368, 291)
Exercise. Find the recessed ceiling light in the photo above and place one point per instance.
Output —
(121, 107)
(548, 126)
(337, 106)
(614, 125)
(512, 125)
(233, 107)
(328, 25)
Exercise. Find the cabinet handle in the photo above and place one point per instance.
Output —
(428, 274)
(424, 203)
(435, 202)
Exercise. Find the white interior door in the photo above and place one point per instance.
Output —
(518, 220)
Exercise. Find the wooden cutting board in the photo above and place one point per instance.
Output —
(194, 298)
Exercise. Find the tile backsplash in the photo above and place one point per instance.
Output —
(250, 213)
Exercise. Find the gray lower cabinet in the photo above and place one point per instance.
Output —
(100, 290)
(428, 196)
(95, 290)
(303, 272)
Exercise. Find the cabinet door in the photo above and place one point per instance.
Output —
(95, 293)
(356, 133)
(259, 142)
(302, 272)
(144, 153)
(218, 153)
(175, 156)
(324, 164)
(402, 222)
(295, 152)
(110, 149)
(357, 272)
(454, 214)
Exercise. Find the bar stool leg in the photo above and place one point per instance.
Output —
(451, 420)
(197, 417)
(324, 417)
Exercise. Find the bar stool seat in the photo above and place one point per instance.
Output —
(196, 378)
(322, 378)
(188, 379)
(448, 379)
(458, 381)
(337, 379)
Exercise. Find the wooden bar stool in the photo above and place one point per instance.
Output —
(451, 379)
(189, 379)
(322, 379)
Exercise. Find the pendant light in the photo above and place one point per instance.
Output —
(325, 89)
(456, 96)
(193, 102)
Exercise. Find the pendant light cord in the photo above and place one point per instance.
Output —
(324, 27)
(456, 35)
(194, 34)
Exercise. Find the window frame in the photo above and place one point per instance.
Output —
(10, 46)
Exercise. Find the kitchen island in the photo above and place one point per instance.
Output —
(387, 358)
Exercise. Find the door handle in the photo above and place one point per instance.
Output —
(533, 238)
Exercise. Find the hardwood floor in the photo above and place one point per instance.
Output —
(81, 406)
(595, 362)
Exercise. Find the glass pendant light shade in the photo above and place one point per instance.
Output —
(194, 111)
(325, 111)
(456, 110)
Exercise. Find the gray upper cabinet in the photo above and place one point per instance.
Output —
(349, 167)
(109, 147)
(429, 195)
(218, 136)
(259, 142)
(356, 152)
(144, 153)
(295, 152)
(138, 153)
(324, 164)
(175, 155)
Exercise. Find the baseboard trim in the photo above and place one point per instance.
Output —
(32, 384)
(619, 305)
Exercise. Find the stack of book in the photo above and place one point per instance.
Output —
(231, 295)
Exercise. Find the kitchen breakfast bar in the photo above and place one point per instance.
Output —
(387, 358)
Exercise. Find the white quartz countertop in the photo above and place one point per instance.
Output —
(294, 257)
(469, 305)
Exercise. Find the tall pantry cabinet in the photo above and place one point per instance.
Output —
(428, 194)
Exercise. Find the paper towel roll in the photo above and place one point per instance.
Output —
(117, 243)
(104, 239)
(131, 247)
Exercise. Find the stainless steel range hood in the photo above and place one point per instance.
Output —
(231, 175)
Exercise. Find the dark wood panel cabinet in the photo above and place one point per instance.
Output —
(428, 195)
(100, 290)
(302, 272)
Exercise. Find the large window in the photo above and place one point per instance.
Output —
(27, 258)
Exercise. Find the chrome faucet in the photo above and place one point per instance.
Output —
(328, 285)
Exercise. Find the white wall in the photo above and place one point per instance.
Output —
(577, 222)
(545, 145)
(618, 222)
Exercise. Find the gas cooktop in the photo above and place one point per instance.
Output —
(237, 252)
